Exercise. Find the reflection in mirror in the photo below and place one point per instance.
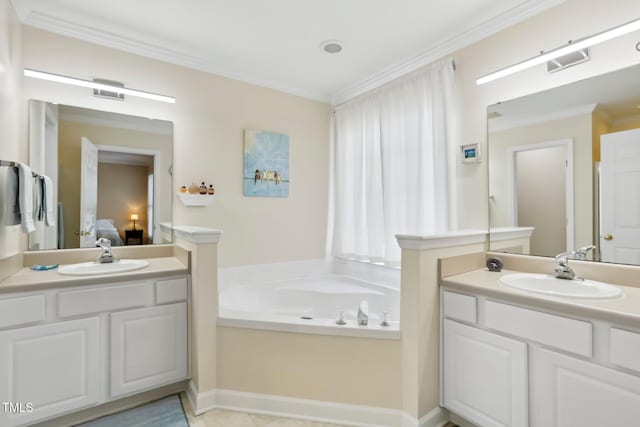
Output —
(564, 167)
(110, 172)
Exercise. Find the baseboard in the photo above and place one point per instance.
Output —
(437, 417)
(310, 410)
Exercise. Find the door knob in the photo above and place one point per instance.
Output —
(608, 237)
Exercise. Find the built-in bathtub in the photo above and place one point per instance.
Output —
(308, 296)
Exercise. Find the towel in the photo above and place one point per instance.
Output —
(38, 198)
(11, 191)
(25, 197)
(47, 199)
(60, 226)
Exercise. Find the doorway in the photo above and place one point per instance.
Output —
(540, 181)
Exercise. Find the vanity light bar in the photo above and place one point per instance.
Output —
(94, 85)
(564, 50)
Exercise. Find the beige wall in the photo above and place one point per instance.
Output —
(122, 190)
(69, 149)
(360, 371)
(577, 128)
(209, 116)
(12, 110)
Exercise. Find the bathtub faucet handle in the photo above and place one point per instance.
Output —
(341, 320)
(363, 313)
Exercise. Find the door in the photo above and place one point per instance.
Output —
(148, 348)
(53, 368)
(88, 194)
(620, 197)
(485, 376)
(569, 392)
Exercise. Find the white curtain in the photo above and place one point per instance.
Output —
(390, 165)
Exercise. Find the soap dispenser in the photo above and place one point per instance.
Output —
(203, 188)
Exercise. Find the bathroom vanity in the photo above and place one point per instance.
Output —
(514, 358)
(68, 343)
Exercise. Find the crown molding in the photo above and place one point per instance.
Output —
(153, 49)
(446, 47)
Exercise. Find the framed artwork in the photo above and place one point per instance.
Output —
(266, 164)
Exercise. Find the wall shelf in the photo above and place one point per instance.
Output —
(196, 199)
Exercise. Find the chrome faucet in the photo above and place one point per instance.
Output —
(562, 269)
(581, 253)
(363, 313)
(106, 255)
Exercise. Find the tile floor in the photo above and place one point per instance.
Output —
(221, 418)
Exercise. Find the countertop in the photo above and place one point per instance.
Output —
(625, 309)
(30, 280)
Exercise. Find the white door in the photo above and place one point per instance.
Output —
(53, 367)
(148, 348)
(620, 197)
(568, 392)
(88, 193)
(485, 376)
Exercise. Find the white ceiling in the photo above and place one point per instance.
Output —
(275, 43)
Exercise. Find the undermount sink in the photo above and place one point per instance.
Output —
(95, 268)
(550, 285)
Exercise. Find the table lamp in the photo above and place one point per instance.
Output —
(134, 218)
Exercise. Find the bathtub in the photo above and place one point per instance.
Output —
(307, 297)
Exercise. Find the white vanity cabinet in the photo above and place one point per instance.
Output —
(569, 392)
(76, 347)
(54, 367)
(505, 365)
(148, 347)
(485, 376)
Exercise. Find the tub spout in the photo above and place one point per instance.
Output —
(363, 313)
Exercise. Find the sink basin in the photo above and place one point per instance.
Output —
(95, 268)
(549, 285)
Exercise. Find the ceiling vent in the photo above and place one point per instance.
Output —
(569, 60)
(102, 93)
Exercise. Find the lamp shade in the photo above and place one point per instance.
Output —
(134, 217)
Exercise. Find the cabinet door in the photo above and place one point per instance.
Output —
(485, 376)
(569, 392)
(148, 348)
(52, 367)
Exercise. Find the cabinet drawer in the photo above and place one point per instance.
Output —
(108, 298)
(173, 290)
(563, 333)
(21, 311)
(460, 307)
(625, 348)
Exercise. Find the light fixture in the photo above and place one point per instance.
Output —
(95, 85)
(571, 47)
(331, 46)
(134, 218)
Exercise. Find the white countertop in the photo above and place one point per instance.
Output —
(29, 280)
(625, 309)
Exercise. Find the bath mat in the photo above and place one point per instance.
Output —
(166, 412)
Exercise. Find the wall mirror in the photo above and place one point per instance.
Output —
(111, 175)
(564, 164)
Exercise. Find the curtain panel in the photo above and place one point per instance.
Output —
(390, 165)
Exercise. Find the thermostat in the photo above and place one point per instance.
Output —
(470, 153)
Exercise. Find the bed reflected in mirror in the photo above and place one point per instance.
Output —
(111, 176)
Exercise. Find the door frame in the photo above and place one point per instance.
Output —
(569, 199)
(156, 168)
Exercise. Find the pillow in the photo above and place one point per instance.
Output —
(105, 224)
